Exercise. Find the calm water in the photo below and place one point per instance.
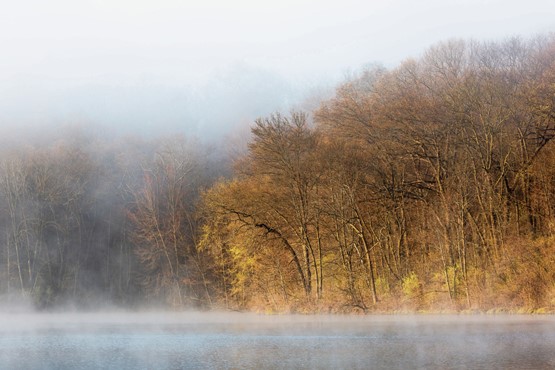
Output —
(246, 341)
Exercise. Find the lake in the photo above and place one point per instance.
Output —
(248, 341)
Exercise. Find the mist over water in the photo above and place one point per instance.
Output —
(169, 340)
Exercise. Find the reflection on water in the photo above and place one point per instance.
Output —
(246, 341)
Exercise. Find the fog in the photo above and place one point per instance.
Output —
(208, 68)
(286, 324)
(249, 341)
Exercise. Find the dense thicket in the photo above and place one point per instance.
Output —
(89, 220)
(429, 186)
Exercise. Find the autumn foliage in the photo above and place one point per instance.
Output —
(430, 186)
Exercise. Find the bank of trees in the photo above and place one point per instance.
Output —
(428, 186)
(91, 221)
(56, 236)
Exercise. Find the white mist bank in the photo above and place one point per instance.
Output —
(28, 320)
(224, 340)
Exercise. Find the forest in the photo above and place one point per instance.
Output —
(426, 187)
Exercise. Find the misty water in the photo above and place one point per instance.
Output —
(250, 341)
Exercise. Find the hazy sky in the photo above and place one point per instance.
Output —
(204, 67)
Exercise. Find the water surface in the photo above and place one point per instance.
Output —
(249, 341)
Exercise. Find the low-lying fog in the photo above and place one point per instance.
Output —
(135, 340)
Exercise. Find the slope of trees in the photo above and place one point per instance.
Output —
(427, 187)
(93, 222)
(164, 227)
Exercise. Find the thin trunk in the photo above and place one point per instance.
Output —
(320, 262)
(8, 268)
(367, 252)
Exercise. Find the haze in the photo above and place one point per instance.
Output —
(231, 340)
(207, 68)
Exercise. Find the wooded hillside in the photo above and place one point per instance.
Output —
(430, 186)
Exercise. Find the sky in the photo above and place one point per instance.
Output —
(207, 68)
